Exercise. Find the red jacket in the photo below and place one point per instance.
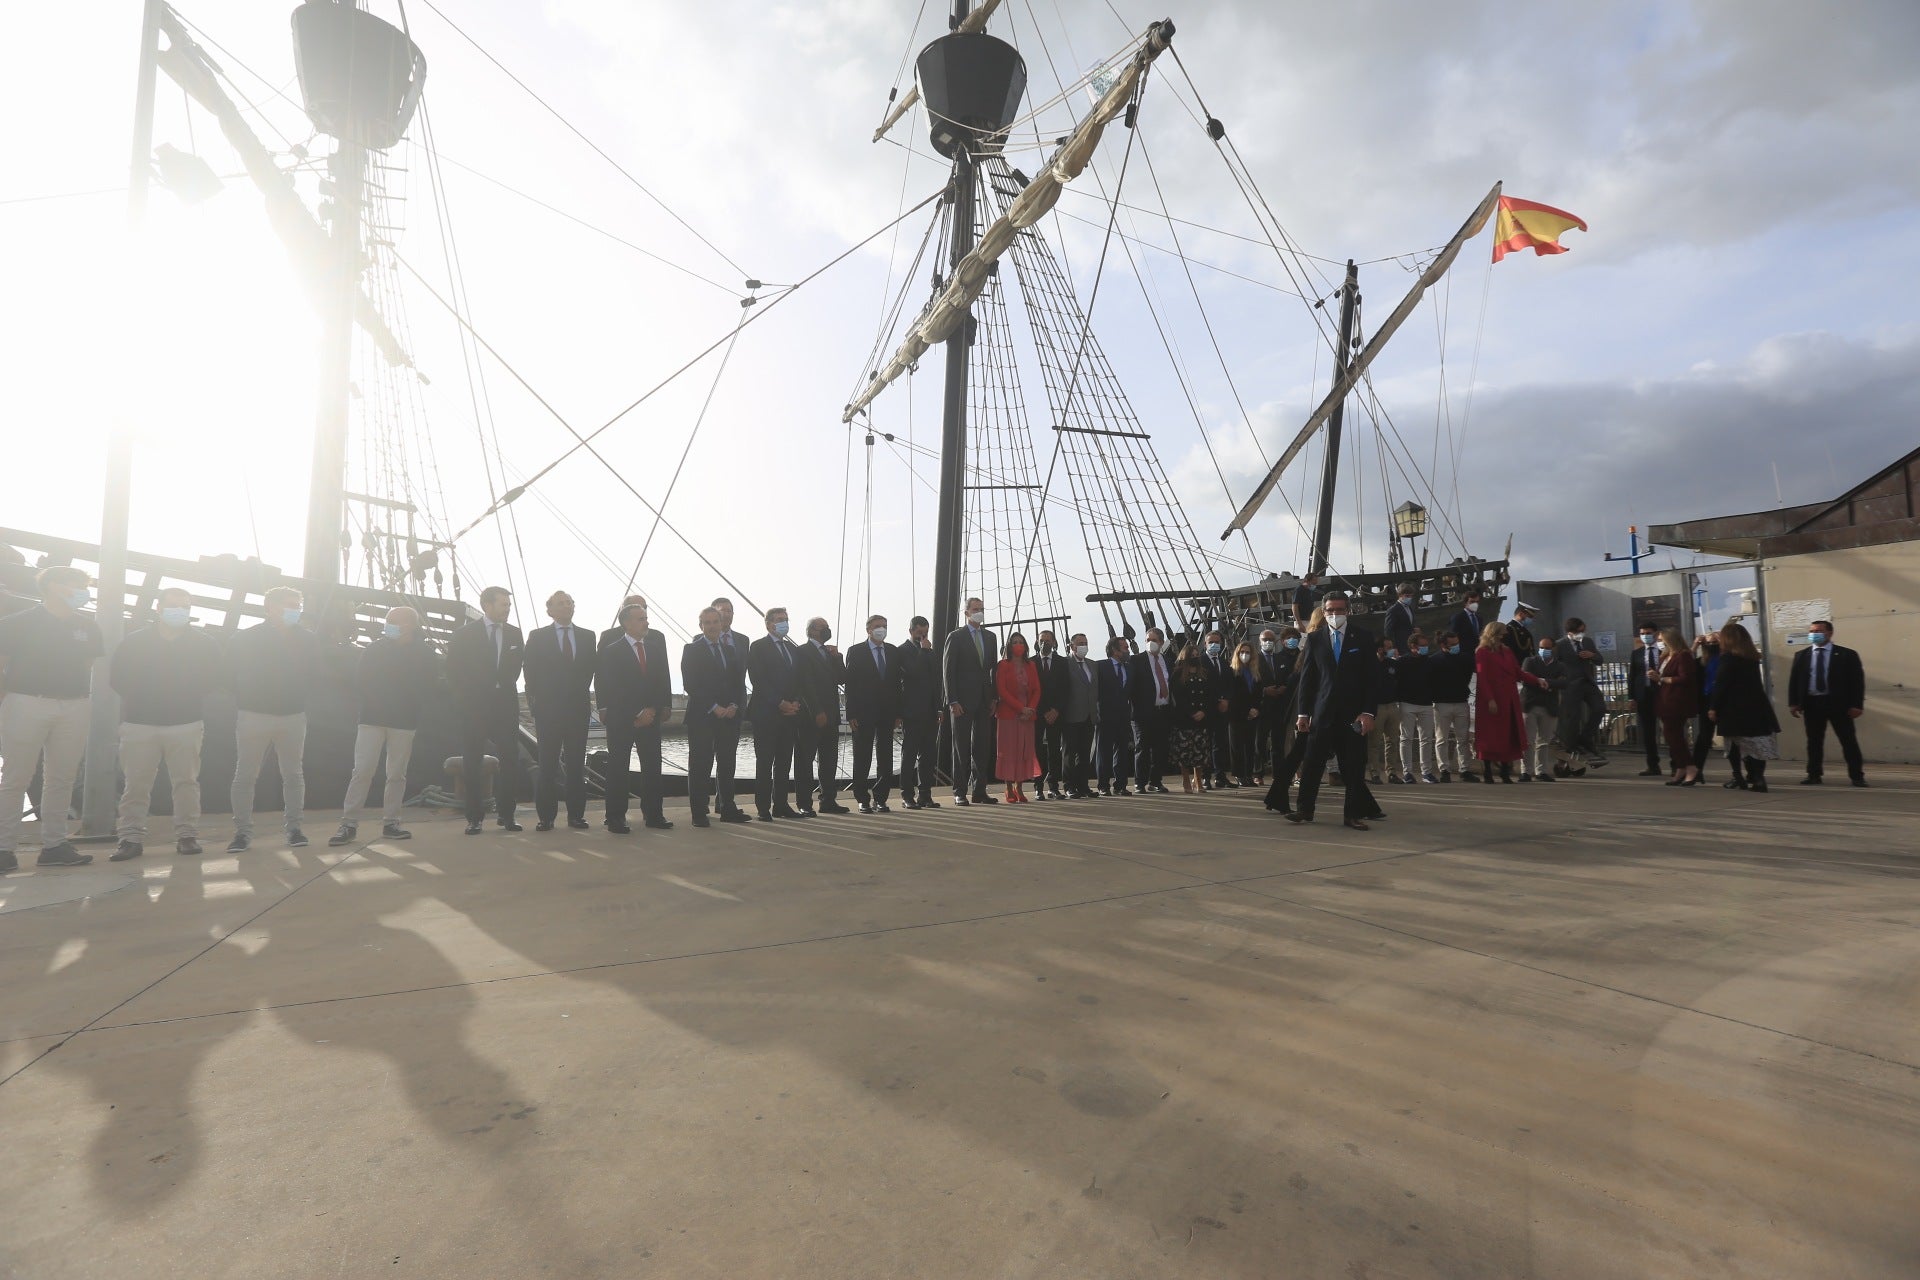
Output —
(1008, 684)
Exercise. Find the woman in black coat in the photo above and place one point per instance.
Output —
(1741, 710)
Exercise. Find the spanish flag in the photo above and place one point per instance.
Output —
(1522, 224)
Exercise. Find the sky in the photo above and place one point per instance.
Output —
(1735, 331)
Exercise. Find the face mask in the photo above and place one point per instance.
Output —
(1649, 641)
(391, 631)
(1079, 651)
(1338, 621)
(1293, 642)
(879, 635)
(1266, 646)
(176, 616)
(1245, 656)
(823, 637)
(1153, 646)
(1818, 637)
(290, 616)
(1453, 648)
(1406, 599)
(978, 617)
(1545, 654)
(780, 627)
(1018, 651)
(1473, 606)
(1421, 650)
(1213, 650)
(79, 598)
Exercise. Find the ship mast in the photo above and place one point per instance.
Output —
(950, 516)
(1330, 465)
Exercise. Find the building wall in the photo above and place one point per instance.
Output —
(1873, 596)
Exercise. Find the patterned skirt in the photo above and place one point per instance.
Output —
(1191, 747)
(1764, 747)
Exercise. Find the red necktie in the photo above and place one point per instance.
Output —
(640, 652)
(566, 643)
(1159, 677)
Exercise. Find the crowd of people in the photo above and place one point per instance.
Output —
(1320, 700)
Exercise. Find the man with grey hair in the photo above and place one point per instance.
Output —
(274, 665)
(163, 675)
(46, 681)
(398, 674)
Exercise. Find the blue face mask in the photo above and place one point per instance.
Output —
(290, 616)
(79, 598)
(1453, 648)
(176, 616)
(780, 627)
(1546, 655)
(1421, 650)
(391, 631)
(1293, 642)
(1813, 637)
(1213, 650)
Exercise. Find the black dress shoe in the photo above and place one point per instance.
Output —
(474, 828)
(834, 807)
(511, 826)
(865, 807)
(578, 824)
(1120, 791)
(126, 851)
(1650, 773)
(1809, 781)
(1057, 794)
(984, 798)
(619, 828)
(543, 826)
(911, 803)
(786, 811)
(764, 817)
(659, 824)
(734, 815)
(880, 806)
(1857, 782)
(1277, 808)
(805, 813)
(1356, 824)
(1159, 789)
(1039, 795)
(962, 801)
(928, 802)
(700, 820)
(1294, 815)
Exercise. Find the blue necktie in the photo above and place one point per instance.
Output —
(1336, 646)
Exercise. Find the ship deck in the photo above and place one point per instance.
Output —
(1603, 1029)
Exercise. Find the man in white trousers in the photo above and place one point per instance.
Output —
(398, 675)
(46, 681)
(274, 665)
(163, 674)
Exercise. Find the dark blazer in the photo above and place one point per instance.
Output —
(1335, 693)
(919, 682)
(1520, 640)
(821, 675)
(1196, 689)
(1468, 627)
(1639, 688)
(1740, 706)
(1554, 672)
(873, 697)
(1846, 678)
(1140, 683)
(1053, 683)
(472, 669)
(1400, 624)
(965, 679)
(1222, 669)
(1579, 669)
(1116, 692)
(775, 680)
(1241, 699)
(623, 691)
(708, 682)
(552, 682)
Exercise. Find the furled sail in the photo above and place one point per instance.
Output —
(976, 20)
(1351, 375)
(947, 310)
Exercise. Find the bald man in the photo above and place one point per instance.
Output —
(399, 674)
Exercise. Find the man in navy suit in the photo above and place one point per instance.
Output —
(560, 662)
(1049, 734)
(634, 688)
(1467, 623)
(714, 674)
(1114, 763)
(1337, 704)
(873, 712)
(483, 666)
(967, 663)
(1150, 684)
(775, 708)
(919, 714)
(1828, 686)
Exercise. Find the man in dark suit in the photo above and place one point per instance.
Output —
(560, 662)
(873, 712)
(1400, 621)
(1115, 753)
(1582, 705)
(919, 715)
(615, 631)
(776, 709)
(1337, 704)
(816, 751)
(1150, 685)
(1220, 663)
(483, 666)
(714, 674)
(1828, 686)
(1276, 689)
(1467, 623)
(728, 636)
(1520, 637)
(1048, 734)
(634, 688)
(1644, 689)
(1079, 716)
(966, 663)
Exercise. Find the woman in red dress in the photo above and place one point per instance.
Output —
(1018, 685)
(1499, 730)
(1677, 702)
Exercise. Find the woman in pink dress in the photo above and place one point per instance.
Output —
(1499, 730)
(1017, 683)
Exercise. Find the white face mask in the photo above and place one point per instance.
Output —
(978, 617)
(879, 635)
(1267, 646)
(1079, 651)
(1338, 621)
(176, 616)
(1576, 636)
(1153, 646)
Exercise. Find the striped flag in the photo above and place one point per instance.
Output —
(1522, 224)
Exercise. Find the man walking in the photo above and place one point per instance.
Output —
(398, 675)
(560, 663)
(967, 664)
(919, 714)
(1337, 704)
(714, 674)
(274, 667)
(46, 679)
(483, 665)
(1828, 687)
(163, 674)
